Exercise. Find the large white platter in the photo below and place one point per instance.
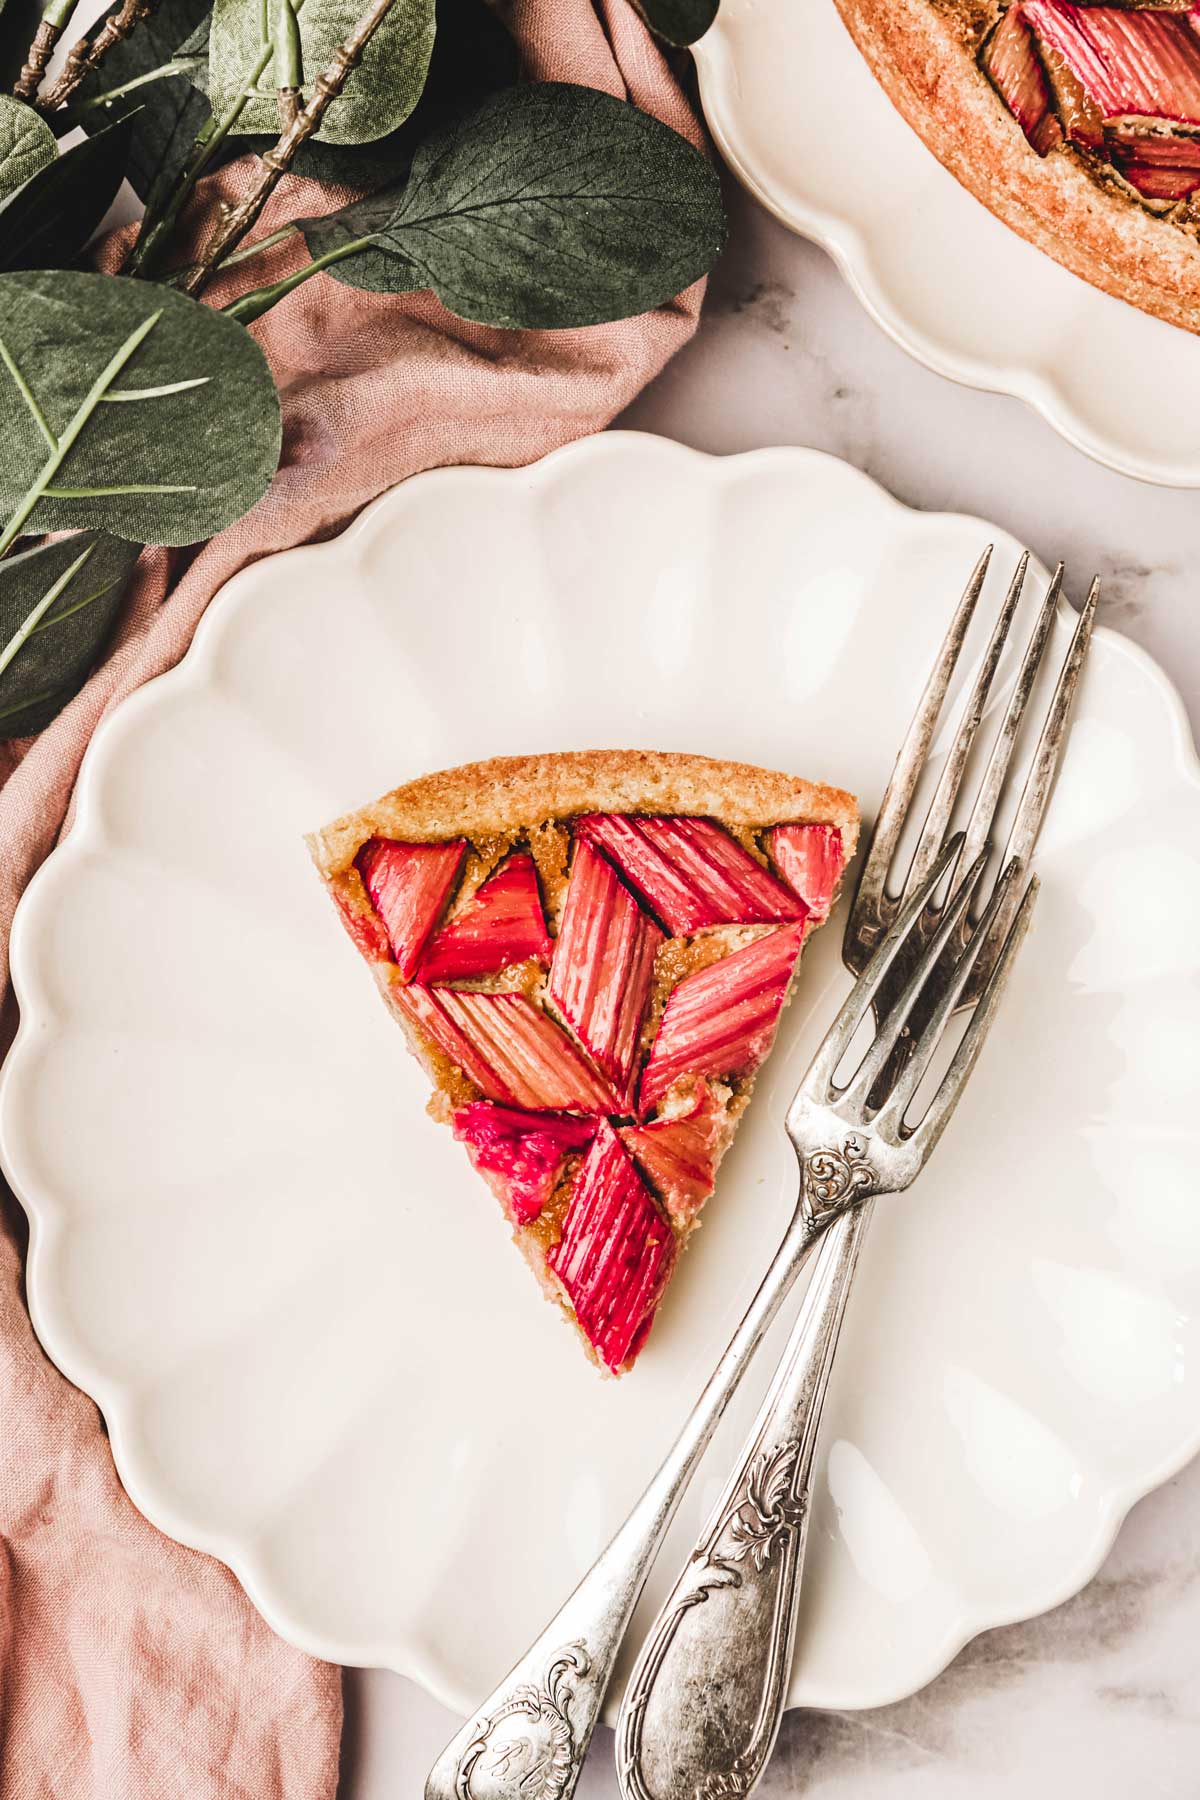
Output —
(319, 1357)
(801, 120)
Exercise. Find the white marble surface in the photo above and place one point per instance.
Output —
(1101, 1696)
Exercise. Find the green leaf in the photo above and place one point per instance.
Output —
(47, 650)
(380, 93)
(552, 205)
(128, 407)
(47, 222)
(679, 21)
(26, 144)
(473, 56)
(169, 111)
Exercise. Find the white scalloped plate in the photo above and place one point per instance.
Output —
(804, 125)
(319, 1357)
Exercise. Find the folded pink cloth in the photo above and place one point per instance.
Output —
(131, 1669)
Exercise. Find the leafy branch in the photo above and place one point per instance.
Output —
(162, 212)
(88, 54)
(57, 605)
(550, 206)
(51, 26)
(86, 452)
(329, 83)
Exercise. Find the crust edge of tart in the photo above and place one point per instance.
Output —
(510, 793)
(926, 66)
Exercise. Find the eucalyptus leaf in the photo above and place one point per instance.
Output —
(551, 205)
(48, 649)
(128, 407)
(170, 111)
(48, 221)
(679, 21)
(473, 56)
(26, 144)
(380, 93)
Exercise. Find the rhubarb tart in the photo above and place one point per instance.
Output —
(1079, 126)
(589, 954)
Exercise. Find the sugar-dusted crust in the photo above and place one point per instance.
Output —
(510, 793)
(496, 799)
(923, 55)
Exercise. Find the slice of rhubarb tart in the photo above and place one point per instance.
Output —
(589, 954)
(1079, 125)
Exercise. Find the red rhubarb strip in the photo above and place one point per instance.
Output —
(422, 1008)
(603, 965)
(721, 1020)
(1162, 165)
(364, 926)
(689, 872)
(810, 858)
(679, 1156)
(532, 1059)
(409, 885)
(1145, 62)
(1011, 59)
(503, 923)
(523, 1151)
(616, 1251)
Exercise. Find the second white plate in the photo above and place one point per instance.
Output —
(803, 123)
(318, 1355)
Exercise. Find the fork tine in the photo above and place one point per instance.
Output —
(837, 1039)
(937, 819)
(967, 1055)
(891, 1114)
(884, 1043)
(979, 824)
(867, 912)
(1035, 796)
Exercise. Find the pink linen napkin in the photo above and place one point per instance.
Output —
(132, 1669)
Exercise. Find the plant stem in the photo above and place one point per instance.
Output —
(278, 160)
(63, 444)
(178, 65)
(289, 66)
(159, 223)
(30, 622)
(263, 243)
(54, 21)
(253, 305)
(87, 54)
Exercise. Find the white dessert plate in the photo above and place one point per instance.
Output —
(319, 1356)
(801, 120)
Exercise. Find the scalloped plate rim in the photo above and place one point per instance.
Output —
(154, 1502)
(846, 245)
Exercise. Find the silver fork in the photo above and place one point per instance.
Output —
(703, 1706)
(529, 1738)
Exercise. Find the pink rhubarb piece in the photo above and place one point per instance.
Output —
(615, 1253)
(690, 872)
(524, 1151)
(721, 1020)
(603, 965)
(409, 885)
(503, 923)
(679, 1156)
(809, 857)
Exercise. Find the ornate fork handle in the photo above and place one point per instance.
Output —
(702, 1711)
(529, 1739)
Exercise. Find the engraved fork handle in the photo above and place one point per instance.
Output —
(702, 1711)
(529, 1738)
